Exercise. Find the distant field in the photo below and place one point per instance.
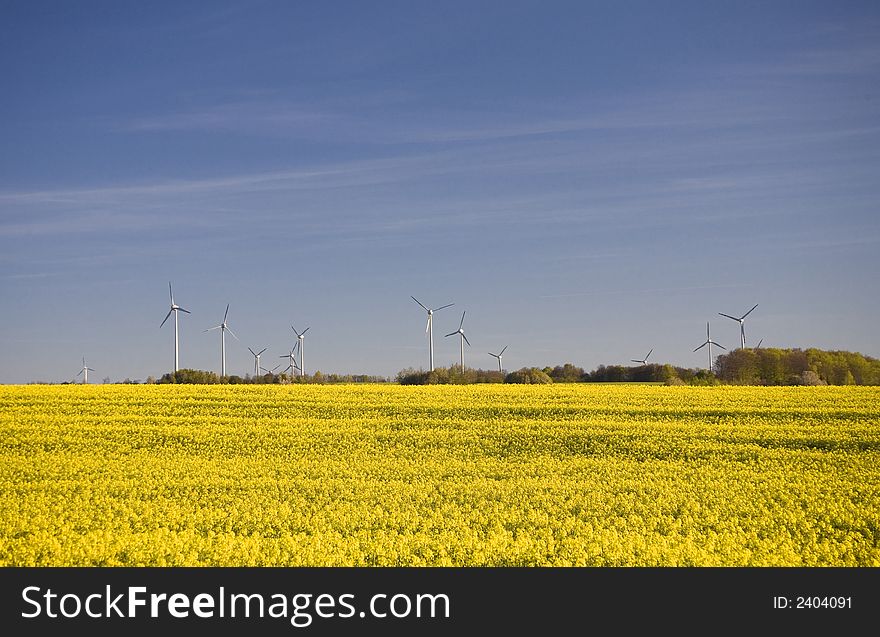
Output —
(439, 475)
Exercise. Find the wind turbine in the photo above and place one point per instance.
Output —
(740, 320)
(301, 339)
(223, 327)
(462, 338)
(429, 328)
(175, 309)
(257, 360)
(85, 372)
(272, 371)
(644, 361)
(710, 343)
(498, 356)
(292, 366)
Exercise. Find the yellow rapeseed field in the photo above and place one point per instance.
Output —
(442, 475)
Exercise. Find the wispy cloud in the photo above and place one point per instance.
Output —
(856, 59)
(246, 117)
(644, 290)
(29, 276)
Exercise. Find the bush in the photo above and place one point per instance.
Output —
(811, 379)
(190, 377)
(528, 376)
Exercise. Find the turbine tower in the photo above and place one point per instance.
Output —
(498, 356)
(429, 329)
(223, 327)
(301, 339)
(643, 361)
(461, 340)
(85, 372)
(710, 343)
(257, 360)
(174, 309)
(740, 320)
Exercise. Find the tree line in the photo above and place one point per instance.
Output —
(812, 366)
(765, 366)
(201, 377)
(768, 366)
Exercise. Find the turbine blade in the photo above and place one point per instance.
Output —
(428, 324)
(306, 330)
(233, 334)
(462, 319)
(216, 327)
(252, 351)
(420, 303)
(718, 345)
(294, 330)
(80, 372)
(758, 346)
(443, 307)
(702, 346)
(491, 354)
(182, 310)
(465, 339)
(729, 316)
(502, 351)
(227, 313)
(635, 361)
(649, 354)
(166, 317)
(170, 293)
(451, 334)
(750, 311)
(261, 351)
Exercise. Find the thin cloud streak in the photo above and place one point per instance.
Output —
(645, 290)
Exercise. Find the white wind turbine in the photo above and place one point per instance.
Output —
(223, 327)
(429, 329)
(291, 356)
(710, 343)
(643, 361)
(301, 339)
(498, 356)
(85, 372)
(257, 359)
(462, 339)
(272, 371)
(175, 309)
(740, 320)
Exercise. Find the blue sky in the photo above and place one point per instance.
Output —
(589, 180)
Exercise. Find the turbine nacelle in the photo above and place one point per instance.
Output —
(643, 361)
(741, 321)
(460, 330)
